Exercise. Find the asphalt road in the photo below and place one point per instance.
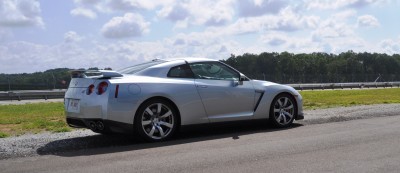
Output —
(367, 145)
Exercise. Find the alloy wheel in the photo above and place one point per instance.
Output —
(283, 110)
(157, 121)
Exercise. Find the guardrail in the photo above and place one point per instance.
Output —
(54, 94)
(29, 95)
(323, 86)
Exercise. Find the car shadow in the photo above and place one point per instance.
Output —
(103, 144)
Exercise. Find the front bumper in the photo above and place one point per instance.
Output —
(299, 116)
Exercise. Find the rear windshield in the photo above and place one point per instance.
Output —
(136, 68)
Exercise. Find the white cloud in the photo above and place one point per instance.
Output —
(210, 44)
(287, 20)
(199, 12)
(25, 55)
(338, 33)
(84, 12)
(89, 8)
(367, 21)
(278, 41)
(87, 2)
(245, 26)
(324, 4)
(203, 28)
(260, 7)
(275, 39)
(32, 57)
(72, 36)
(343, 44)
(129, 25)
(390, 46)
(19, 13)
(335, 26)
(131, 4)
(5, 35)
(174, 13)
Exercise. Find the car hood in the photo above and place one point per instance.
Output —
(263, 85)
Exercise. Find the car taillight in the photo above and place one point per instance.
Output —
(102, 88)
(90, 89)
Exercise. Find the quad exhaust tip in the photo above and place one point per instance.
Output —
(96, 126)
(100, 125)
(92, 126)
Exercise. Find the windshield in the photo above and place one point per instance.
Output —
(136, 68)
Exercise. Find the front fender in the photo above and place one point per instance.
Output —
(272, 90)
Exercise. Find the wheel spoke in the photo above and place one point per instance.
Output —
(280, 103)
(166, 124)
(276, 110)
(161, 131)
(152, 131)
(285, 102)
(147, 122)
(166, 114)
(289, 107)
(149, 111)
(279, 118)
(284, 119)
(288, 114)
(158, 108)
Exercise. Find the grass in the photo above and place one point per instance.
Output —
(39, 117)
(338, 98)
(32, 118)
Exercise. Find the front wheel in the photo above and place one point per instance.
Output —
(156, 120)
(283, 110)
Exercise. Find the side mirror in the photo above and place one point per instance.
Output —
(241, 79)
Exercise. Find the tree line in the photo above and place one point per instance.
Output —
(281, 67)
(318, 67)
(58, 78)
(50, 79)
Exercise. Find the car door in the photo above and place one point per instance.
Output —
(224, 98)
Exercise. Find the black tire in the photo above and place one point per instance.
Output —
(283, 110)
(156, 120)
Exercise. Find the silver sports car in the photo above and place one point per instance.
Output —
(155, 98)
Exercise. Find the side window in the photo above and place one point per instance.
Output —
(181, 71)
(214, 71)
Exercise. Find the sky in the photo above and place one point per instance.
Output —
(37, 35)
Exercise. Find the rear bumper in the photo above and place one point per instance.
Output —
(109, 125)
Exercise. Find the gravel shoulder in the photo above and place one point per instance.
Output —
(56, 143)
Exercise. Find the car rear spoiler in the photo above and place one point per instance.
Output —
(97, 74)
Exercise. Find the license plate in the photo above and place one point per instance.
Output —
(73, 106)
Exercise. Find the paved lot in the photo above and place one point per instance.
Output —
(368, 145)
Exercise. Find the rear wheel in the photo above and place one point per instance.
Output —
(283, 110)
(156, 120)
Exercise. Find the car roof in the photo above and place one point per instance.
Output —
(190, 59)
